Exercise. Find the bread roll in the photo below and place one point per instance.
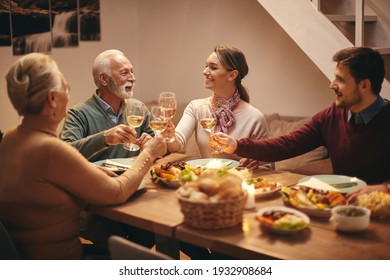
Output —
(230, 181)
(229, 193)
(209, 186)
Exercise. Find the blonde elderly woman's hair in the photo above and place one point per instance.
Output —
(29, 81)
(102, 64)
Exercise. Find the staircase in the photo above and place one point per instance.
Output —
(320, 30)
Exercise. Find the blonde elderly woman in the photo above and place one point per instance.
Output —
(40, 193)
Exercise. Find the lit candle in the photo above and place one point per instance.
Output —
(250, 202)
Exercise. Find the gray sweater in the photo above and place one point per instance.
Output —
(84, 127)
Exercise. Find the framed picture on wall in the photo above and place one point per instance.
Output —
(30, 26)
(40, 25)
(64, 23)
(5, 23)
(89, 20)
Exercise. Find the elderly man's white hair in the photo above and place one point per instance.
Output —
(102, 64)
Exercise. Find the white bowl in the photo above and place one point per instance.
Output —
(350, 218)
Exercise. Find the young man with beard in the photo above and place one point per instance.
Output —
(355, 129)
(97, 127)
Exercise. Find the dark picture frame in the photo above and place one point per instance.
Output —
(89, 20)
(41, 25)
(30, 26)
(64, 26)
(5, 23)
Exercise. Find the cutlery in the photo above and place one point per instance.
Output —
(109, 163)
(344, 185)
(227, 163)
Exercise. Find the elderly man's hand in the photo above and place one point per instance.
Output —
(120, 134)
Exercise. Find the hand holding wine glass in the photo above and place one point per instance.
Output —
(158, 119)
(167, 100)
(134, 112)
(207, 120)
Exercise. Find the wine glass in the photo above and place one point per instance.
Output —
(167, 100)
(208, 120)
(158, 119)
(135, 114)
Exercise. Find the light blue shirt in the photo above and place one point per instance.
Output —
(108, 109)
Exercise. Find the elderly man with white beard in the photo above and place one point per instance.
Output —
(97, 127)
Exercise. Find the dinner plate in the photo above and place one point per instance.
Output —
(313, 212)
(229, 163)
(126, 162)
(142, 185)
(261, 193)
(337, 179)
(289, 210)
(170, 183)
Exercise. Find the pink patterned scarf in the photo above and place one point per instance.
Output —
(223, 110)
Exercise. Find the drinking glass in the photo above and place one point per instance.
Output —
(134, 112)
(167, 100)
(208, 120)
(159, 118)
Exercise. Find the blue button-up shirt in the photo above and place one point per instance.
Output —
(369, 113)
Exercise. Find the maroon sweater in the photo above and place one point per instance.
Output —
(354, 149)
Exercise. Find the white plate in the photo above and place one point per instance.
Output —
(122, 161)
(337, 179)
(303, 216)
(142, 185)
(260, 194)
(313, 212)
(230, 163)
(170, 183)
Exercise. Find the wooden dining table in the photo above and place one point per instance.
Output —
(157, 209)
(154, 208)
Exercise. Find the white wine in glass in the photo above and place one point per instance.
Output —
(207, 120)
(208, 124)
(158, 119)
(134, 112)
(167, 100)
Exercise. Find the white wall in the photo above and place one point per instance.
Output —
(168, 42)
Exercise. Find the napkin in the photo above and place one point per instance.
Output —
(315, 183)
(113, 163)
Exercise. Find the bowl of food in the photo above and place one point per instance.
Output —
(350, 218)
(313, 202)
(282, 220)
(168, 174)
(264, 187)
(377, 202)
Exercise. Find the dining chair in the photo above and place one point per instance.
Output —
(8, 250)
(123, 249)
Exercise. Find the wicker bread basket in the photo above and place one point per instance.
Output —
(213, 215)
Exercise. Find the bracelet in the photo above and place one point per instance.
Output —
(145, 161)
